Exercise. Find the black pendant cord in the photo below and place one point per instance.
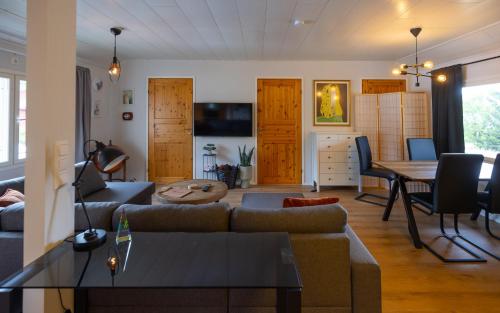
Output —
(416, 60)
(114, 53)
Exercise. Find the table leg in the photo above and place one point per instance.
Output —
(392, 199)
(412, 225)
(289, 300)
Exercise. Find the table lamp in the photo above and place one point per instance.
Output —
(109, 157)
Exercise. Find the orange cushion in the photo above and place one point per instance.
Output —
(298, 202)
(11, 196)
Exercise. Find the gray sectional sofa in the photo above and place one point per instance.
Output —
(338, 272)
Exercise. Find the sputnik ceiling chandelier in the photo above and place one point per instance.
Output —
(418, 68)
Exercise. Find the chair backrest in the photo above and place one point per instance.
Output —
(494, 187)
(421, 149)
(457, 178)
(364, 154)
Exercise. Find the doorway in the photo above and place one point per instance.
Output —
(279, 131)
(170, 129)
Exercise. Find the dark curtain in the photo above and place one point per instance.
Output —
(447, 112)
(83, 111)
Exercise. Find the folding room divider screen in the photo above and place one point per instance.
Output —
(387, 120)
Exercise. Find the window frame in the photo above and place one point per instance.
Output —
(14, 77)
(16, 160)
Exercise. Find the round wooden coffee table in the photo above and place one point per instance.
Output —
(217, 191)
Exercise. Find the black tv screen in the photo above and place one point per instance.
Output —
(223, 119)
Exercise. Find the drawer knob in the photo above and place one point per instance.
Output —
(349, 157)
(350, 178)
(329, 168)
(329, 146)
(350, 168)
(329, 157)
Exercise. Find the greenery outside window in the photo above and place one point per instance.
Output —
(481, 111)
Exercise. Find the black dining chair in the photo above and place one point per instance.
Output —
(489, 200)
(454, 192)
(421, 149)
(366, 169)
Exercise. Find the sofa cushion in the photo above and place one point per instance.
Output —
(91, 181)
(176, 217)
(299, 202)
(124, 192)
(100, 214)
(15, 183)
(12, 217)
(323, 262)
(268, 200)
(330, 218)
(11, 196)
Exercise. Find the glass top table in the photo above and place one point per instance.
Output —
(168, 260)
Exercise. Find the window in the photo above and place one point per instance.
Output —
(481, 108)
(12, 119)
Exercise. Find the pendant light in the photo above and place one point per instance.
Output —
(115, 68)
(417, 67)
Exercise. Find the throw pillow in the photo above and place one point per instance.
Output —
(299, 202)
(11, 196)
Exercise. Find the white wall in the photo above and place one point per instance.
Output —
(229, 81)
(101, 127)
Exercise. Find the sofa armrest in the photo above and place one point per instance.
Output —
(365, 277)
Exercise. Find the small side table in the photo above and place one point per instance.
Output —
(210, 166)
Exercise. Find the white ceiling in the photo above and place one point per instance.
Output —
(262, 29)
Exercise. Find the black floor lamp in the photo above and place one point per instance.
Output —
(93, 238)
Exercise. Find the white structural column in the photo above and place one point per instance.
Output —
(51, 62)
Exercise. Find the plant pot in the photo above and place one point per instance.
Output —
(245, 176)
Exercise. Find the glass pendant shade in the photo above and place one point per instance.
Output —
(115, 70)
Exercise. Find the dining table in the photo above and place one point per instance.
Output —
(420, 171)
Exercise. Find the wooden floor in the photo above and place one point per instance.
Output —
(414, 280)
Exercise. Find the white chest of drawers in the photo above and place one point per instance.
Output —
(335, 159)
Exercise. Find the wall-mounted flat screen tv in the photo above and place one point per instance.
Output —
(223, 119)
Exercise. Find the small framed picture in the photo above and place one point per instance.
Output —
(128, 97)
(98, 110)
(332, 102)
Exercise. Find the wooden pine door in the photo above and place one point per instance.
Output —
(376, 86)
(279, 140)
(170, 133)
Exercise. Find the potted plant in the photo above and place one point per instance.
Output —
(245, 166)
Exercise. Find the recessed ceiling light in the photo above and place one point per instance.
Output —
(300, 22)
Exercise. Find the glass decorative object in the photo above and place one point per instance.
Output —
(123, 231)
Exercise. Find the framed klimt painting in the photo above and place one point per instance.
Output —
(332, 102)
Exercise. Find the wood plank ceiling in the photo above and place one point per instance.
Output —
(263, 29)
